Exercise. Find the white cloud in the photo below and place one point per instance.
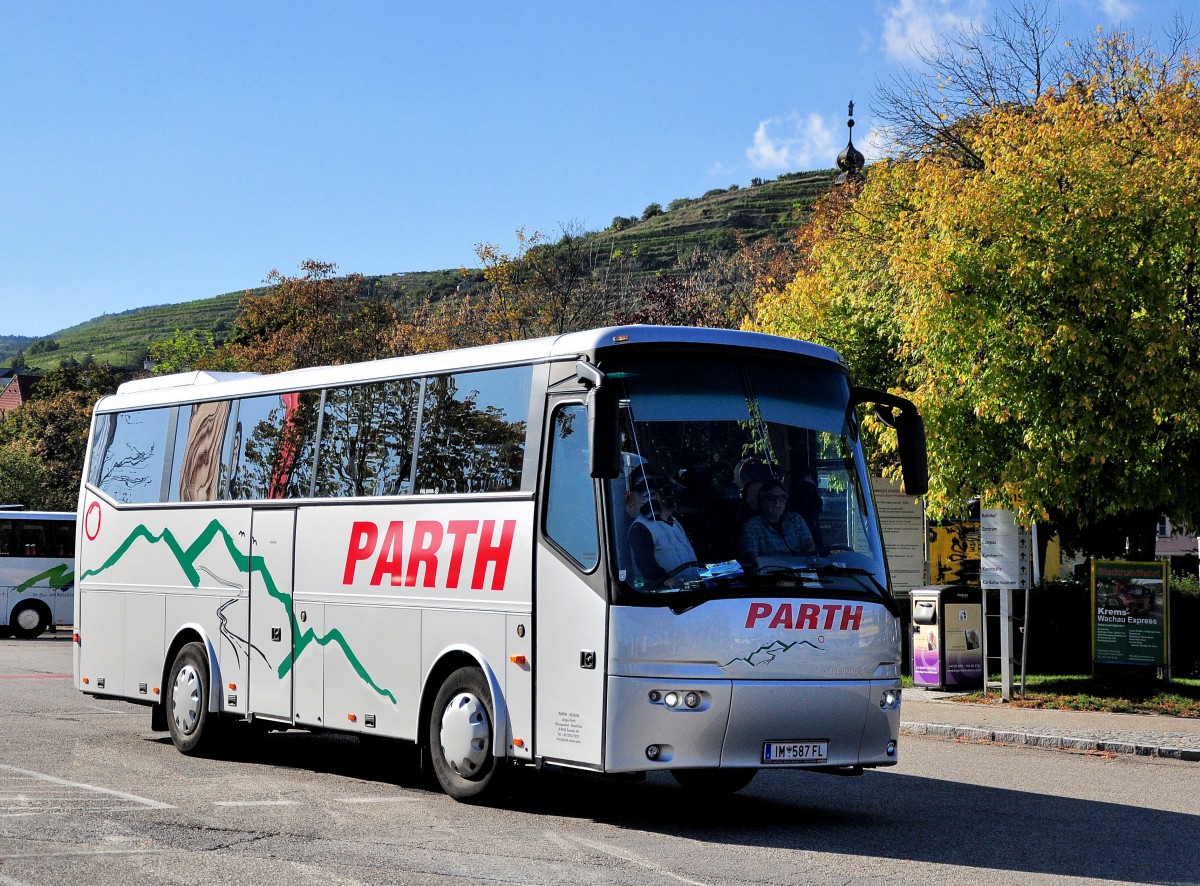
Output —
(793, 143)
(1117, 10)
(912, 24)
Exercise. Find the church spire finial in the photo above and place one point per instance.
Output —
(851, 160)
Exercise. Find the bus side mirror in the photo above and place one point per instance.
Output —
(910, 435)
(603, 412)
(914, 459)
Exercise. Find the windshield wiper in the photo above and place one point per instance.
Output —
(853, 571)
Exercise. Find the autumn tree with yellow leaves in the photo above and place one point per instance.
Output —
(1037, 297)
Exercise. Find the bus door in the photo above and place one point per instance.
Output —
(272, 536)
(570, 610)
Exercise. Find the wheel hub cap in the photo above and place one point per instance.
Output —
(465, 734)
(186, 699)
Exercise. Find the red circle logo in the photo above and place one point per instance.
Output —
(91, 521)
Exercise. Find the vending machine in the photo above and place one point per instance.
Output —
(947, 637)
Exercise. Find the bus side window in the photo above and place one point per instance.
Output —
(473, 431)
(571, 495)
(128, 453)
(33, 538)
(271, 452)
(367, 439)
(63, 539)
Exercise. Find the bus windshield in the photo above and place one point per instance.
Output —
(740, 473)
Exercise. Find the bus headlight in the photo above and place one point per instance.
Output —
(671, 699)
(889, 700)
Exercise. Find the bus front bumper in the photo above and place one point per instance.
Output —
(682, 724)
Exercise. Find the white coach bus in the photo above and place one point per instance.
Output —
(436, 549)
(37, 571)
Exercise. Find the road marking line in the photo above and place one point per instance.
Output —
(35, 676)
(131, 798)
(625, 854)
(378, 800)
(256, 803)
(78, 853)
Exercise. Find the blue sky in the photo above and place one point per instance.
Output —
(163, 152)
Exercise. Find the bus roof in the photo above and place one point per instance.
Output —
(37, 515)
(187, 387)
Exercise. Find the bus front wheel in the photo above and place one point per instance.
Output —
(713, 781)
(191, 724)
(460, 738)
(29, 620)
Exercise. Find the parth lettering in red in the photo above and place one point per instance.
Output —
(805, 616)
(431, 549)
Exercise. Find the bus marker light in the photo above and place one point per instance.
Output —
(518, 742)
(156, 690)
(655, 696)
(75, 639)
(652, 752)
(517, 659)
(353, 718)
(233, 686)
(87, 680)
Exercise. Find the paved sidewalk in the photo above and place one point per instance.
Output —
(928, 712)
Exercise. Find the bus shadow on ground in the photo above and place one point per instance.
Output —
(901, 817)
(891, 815)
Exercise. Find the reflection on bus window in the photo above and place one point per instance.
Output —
(128, 452)
(473, 431)
(198, 437)
(367, 439)
(270, 449)
(571, 499)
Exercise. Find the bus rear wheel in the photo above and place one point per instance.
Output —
(29, 620)
(460, 738)
(713, 781)
(191, 724)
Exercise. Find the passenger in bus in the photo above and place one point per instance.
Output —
(806, 501)
(751, 474)
(657, 540)
(774, 531)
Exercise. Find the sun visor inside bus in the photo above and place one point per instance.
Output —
(924, 612)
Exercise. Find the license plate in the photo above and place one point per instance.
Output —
(804, 751)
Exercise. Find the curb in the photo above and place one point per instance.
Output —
(1052, 741)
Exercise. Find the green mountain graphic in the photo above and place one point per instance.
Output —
(58, 577)
(249, 564)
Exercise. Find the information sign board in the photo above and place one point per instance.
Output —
(1130, 613)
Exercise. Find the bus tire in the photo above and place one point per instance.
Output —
(460, 738)
(191, 724)
(713, 781)
(29, 619)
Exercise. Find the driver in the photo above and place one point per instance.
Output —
(656, 539)
(774, 531)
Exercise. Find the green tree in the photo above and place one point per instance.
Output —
(54, 432)
(1038, 298)
(46, 438)
(22, 476)
(183, 351)
(313, 319)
